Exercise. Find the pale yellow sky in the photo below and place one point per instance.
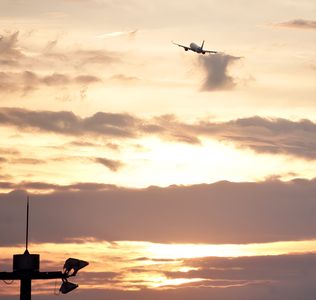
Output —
(143, 74)
(93, 93)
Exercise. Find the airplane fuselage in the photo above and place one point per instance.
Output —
(194, 47)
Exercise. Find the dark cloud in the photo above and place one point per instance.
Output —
(86, 79)
(108, 124)
(262, 277)
(104, 124)
(298, 24)
(10, 52)
(56, 79)
(216, 72)
(3, 160)
(42, 186)
(256, 268)
(28, 81)
(262, 135)
(27, 161)
(9, 151)
(113, 165)
(223, 212)
(302, 287)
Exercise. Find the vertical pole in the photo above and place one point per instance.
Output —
(25, 289)
(27, 225)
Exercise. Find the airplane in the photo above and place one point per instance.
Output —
(195, 48)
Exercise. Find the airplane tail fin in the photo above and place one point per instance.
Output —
(202, 45)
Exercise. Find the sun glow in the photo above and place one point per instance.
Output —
(138, 265)
(162, 281)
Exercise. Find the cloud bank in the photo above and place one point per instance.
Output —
(223, 212)
(262, 135)
(288, 277)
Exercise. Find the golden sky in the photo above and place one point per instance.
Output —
(166, 162)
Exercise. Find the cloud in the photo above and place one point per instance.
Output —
(223, 212)
(113, 165)
(216, 72)
(50, 46)
(107, 124)
(29, 81)
(130, 34)
(125, 79)
(43, 186)
(262, 135)
(86, 79)
(99, 57)
(27, 161)
(3, 160)
(289, 277)
(19, 63)
(10, 53)
(256, 268)
(9, 151)
(298, 24)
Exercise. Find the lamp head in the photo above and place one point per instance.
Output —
(73, 265)
(67, 287)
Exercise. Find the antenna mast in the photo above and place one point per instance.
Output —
(27, 225)
(26, 267)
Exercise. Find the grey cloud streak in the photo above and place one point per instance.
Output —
(262, 135)
(256, 268)
(216, 72)
(28, 81)
(65, 122)
(298, 24)
(223, 212)
(113, 165)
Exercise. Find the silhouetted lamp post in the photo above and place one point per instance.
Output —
(26, 267)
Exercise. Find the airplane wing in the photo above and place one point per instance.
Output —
(185, 47)
(210, 51)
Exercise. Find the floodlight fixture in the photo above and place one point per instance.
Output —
(73, 265)
(67, 287)
(26, 267)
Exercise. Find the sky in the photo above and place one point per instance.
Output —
(177, 175)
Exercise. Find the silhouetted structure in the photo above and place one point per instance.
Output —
(26, 267)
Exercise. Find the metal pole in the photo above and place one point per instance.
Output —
(27, 225)
(25, 289)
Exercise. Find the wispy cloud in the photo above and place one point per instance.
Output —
(113, 165)
(298, 24)
(10, 52)
(130, 34)
(28, 81)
